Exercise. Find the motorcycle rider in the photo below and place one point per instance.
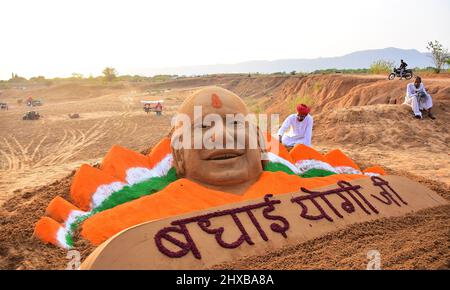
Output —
(402, 68)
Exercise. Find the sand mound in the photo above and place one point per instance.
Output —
(280, 94)
(18, 249)
(331, 92)
(61, 92)
(383, 126)
(388, 135)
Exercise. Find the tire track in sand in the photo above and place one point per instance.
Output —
(26, 164)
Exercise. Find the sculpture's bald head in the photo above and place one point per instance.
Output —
(225, 168)
(213, 100)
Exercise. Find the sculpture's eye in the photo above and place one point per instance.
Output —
(236, 124)
(202, 126)
(239, 124)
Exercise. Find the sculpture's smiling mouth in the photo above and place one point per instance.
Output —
(224, 155)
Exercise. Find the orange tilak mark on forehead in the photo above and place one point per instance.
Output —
(215, 101)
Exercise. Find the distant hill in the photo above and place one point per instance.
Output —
(355, 60)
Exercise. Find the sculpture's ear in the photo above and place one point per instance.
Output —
(177, 154)
(178, 162)
(262, 147)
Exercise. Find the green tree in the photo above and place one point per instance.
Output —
(38, 79)
(439, 54)
(77, 75)
(110, 73)
(381, 66)
(16, 78)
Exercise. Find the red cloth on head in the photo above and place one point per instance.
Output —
(303, 109)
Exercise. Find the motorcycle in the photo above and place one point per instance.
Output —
(407, 74)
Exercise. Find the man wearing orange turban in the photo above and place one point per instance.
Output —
(300, 127)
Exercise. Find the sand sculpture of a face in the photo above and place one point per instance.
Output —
(228, 168)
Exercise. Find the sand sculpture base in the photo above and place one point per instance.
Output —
(206, 238)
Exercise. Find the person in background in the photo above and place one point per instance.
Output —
(158, 109)
(418, 98)
(402, 68)
(300, 127)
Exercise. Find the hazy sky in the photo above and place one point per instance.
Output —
(58, 37)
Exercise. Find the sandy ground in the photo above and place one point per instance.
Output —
(361, 115)
(388, 136)
(36, 152)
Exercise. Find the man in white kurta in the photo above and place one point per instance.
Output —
(297, 128)
(418, 98)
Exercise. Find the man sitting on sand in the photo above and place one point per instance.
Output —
(418, 98)
(300, 125)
